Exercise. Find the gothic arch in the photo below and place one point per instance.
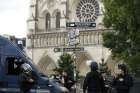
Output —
(81, 62)
(46, 65)
(54, 12)
(48, 21)
(57, 17)
(44, 12)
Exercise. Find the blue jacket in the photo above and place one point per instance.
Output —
(93, 82)
(122, 83)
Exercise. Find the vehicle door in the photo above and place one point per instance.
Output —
(3, 82)
(12, 71)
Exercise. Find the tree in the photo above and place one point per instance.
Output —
(123, 17)
(65, 63)
(134, 63)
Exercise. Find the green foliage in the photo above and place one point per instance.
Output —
(134, 63)
(65, 63)
(124, 17)
(117, 43)
(108, 38)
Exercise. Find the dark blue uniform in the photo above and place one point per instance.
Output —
(94, 83)
(25, 84)
(122, 83)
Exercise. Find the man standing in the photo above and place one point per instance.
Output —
(93, 82)
(123, 81)
(26, 77)
(67, 81)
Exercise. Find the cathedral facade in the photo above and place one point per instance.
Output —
(47, 30)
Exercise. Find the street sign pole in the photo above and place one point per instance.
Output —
(75, 58)
(73, 41)
(76, 25)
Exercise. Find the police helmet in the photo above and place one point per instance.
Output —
(26, 68)
(123, 67)
(94, 65)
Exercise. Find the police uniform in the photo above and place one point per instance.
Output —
(93, 82)
(26, 77)
(123, 81)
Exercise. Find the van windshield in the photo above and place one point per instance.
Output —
(23, 55)
(20, 53)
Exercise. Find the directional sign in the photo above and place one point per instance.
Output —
(68, 49)
(71, 34)
(58, 50)
(80, 24)
(73, 49)
(73, 37)
(73, 41)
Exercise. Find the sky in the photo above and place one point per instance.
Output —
(13, 17)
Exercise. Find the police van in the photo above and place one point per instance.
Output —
(10, 70)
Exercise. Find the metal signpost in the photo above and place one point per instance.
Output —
(73, 40)
(73, 37)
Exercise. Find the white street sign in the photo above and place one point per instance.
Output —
(73, 37)
(81, 24)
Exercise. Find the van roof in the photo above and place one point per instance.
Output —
(3, 40)
(10, 46)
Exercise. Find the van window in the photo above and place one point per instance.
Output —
(13, 66)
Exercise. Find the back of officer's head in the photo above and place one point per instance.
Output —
(123, 67)
(94, 66)
(26, 68)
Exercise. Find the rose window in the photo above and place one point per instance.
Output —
(87, 10)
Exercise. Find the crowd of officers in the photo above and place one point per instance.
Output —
(94, 81)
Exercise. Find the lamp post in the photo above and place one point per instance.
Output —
(74, 63)
(74, 70)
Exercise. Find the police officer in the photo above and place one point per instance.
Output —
(93, 82)
(57, 77)
(123, 81)
(67, 81)
(27, 79)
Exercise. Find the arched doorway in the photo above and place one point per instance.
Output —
(46, 65)
(82, 67)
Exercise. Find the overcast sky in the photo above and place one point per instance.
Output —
(13, 16)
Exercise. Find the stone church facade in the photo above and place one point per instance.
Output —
(47, 30)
